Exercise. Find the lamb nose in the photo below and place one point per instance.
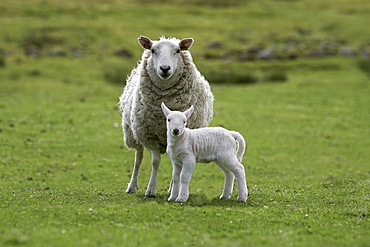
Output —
(176, 132)
(165, 69)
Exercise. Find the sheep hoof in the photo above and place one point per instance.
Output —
(181, 199)
(171, 199)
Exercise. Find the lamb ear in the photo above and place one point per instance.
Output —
(165, 110)
(189, 111)
(185, 44)
(145, 42)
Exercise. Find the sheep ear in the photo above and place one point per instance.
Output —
(145, 42)
(189, 111)
(185, 44)
(165, 110)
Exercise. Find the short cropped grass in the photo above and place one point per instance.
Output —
(64, 168)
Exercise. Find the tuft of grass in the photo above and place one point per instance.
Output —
(114, 73)
(35, 40)
(116, 69)
(364, 65)
(210, 3)
(2, 58)
(228, 77)
(275, 76)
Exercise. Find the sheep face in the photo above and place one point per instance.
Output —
(176, 121)
(165, 59)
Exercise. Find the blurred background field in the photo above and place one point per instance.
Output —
(292, 76)
(228, 34)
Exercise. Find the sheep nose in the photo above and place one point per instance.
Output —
(165, 69)
(175, 132)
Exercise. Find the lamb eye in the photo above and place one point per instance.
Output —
(153, 51)
(178, 51)
(169, 120)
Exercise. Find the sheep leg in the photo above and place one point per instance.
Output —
(228, 182)
(175, 182)
(156, 160)
(185, 176)
(170, 188)
(133, 186)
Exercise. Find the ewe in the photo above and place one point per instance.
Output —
(188, 146)
(166, 73)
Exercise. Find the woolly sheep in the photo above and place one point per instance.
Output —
(187, 146)
(165, 73)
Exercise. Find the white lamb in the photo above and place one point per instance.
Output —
(187, 146)
(166, 73)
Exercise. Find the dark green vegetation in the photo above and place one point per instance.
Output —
(63, 166)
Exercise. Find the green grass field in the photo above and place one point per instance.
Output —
(304, 113)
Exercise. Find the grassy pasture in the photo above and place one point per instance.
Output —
(63, 166)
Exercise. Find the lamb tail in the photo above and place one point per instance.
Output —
(241, 144)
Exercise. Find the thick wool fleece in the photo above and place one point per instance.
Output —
(142, 119)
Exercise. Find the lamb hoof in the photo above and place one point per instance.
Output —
(222, 197)
(131, 190)
(150, 193)
(242, 199)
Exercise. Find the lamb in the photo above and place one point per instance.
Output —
(187, 146)
(165, 73)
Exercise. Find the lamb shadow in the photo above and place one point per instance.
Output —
(202, 200)
(160, 198)
(195, 200)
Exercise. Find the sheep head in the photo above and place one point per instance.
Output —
(166, 60)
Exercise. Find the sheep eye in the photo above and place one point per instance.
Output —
(178, 51)
(169, 120)
(153, 51)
